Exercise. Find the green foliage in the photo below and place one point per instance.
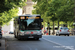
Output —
(41, 8)
(66, 12)
(55, 10)
(7, 16)
(6, 5)
(9, 9)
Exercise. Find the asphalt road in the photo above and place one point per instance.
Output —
(44, 43)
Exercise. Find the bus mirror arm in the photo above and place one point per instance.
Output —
(41, 20)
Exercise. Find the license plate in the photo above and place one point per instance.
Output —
(31, 37)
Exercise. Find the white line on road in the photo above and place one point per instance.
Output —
(52, 41)
(36, 49)
(66, 47)
(29, 47)
(72, 36)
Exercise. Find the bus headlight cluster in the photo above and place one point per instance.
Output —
(21, 33)
(39, 33)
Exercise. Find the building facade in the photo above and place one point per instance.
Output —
(28, 8)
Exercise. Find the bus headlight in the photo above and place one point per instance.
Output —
(21, 33)
(39, 33)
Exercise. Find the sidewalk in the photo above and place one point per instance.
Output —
(2, 47)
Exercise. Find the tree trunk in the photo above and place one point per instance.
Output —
(48, 28)
(58, 24)
(44, 27)
(53, 28)
(66, 23)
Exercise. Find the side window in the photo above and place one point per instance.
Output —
(66, 28)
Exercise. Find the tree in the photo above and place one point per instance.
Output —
(55, 10)
(66, 11)
(52, 9)
(6, 5)
(7, 16)
(41, 8)
(9, 9)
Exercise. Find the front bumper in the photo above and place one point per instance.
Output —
(27, 36)
(64, 33)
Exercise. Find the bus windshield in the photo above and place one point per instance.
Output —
(30, 24)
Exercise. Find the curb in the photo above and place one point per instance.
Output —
(2, 41)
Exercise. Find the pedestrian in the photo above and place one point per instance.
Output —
(2, 32)
(45, 32)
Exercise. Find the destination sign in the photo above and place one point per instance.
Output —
(22, 17)
(32, 17)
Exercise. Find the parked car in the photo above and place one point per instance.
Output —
(62, 31)
(0, 34)
(11, 32)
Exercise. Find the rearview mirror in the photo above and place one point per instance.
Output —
(41, 20)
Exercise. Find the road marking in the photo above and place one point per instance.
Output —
(72, 36)
(36, 49)
(52, 41)
(66, 47)
(29, 47)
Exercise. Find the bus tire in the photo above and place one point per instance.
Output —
(68, 35)
(19, 38)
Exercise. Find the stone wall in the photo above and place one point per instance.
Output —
(28, 8)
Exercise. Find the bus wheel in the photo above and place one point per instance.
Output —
(19, 38)
(68, 35)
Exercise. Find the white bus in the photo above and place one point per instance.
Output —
(28, 26)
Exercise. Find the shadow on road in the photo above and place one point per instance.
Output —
(31, 39)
